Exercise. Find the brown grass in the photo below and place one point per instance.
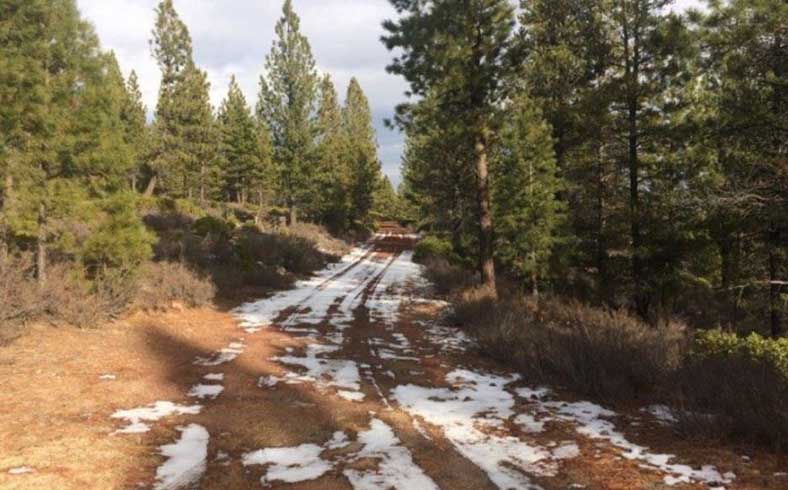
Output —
(608, 355)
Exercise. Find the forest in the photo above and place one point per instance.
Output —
(609, 151)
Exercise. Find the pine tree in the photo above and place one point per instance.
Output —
(23, 100)
(362, 155)
(458, 55)
(527, 211)
(387, 202)
(286, 103)
(133, 115)
(199, 136)
(172, 48)
(649, 51)
(332, 176)
(239, 148)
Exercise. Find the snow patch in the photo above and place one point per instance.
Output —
(20, 470)
(138, 416)
(396, 469)
(469, 415)
(228, 354)
(206, 391)
(289, 464)
(186, 459)
(591, 422)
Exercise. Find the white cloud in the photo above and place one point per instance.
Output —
(233, 37)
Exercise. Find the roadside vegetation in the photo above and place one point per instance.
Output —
(716, 383)
(106, 206)
(614, 176)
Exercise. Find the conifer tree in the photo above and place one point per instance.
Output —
(286, 103)
(457, 54)
(199, 136)
(362, 155)
(24, 118)
(332, 177)
(133, 115)
(527, 211)
(240, 153)
(172, 49)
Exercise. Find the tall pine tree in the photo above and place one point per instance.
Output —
(286, 103)
(239, 150)
(457, 54)
(362, 155)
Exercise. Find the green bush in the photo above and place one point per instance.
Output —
(433, 247)
(121, 241)
(212, 226)
(755, 348)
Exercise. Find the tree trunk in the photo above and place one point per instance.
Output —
(775, 315)
(202, 184)
(486, 261)
(5, 233)
(640, 298)
(151, 186)
(134, 182)
(41, 251)
(293, 215)
(601, 245)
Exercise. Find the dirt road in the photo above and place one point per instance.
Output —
(350, 381)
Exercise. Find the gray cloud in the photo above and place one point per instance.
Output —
(234, 36)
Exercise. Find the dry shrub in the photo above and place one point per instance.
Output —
(736, 387)
(163, 283)
(608, 355)
(294, 254)
(319, 236)
(446, 277)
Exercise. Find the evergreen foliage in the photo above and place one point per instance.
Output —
(286, 103)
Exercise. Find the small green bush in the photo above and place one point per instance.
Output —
(725, 345)
(212, 226)
(433, 247)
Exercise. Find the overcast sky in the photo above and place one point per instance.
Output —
(233, 37)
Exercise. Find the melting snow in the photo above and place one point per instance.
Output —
(186, 459)
(214, 377)
(21, 470)
(396, 469)
(323, 372)
(469, 416)
(591, 422)
(138, 416)
(108, 377)
(289, 464)
(228, 354)
(206, 391)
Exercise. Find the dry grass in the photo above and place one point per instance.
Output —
(607, 355)
(163, 283)
(740, 398)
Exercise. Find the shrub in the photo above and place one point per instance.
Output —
(432, 247)
(445, 276)
(608, 355)
(162, 283)
(320, 237)
(741, 382)
(121, 240)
